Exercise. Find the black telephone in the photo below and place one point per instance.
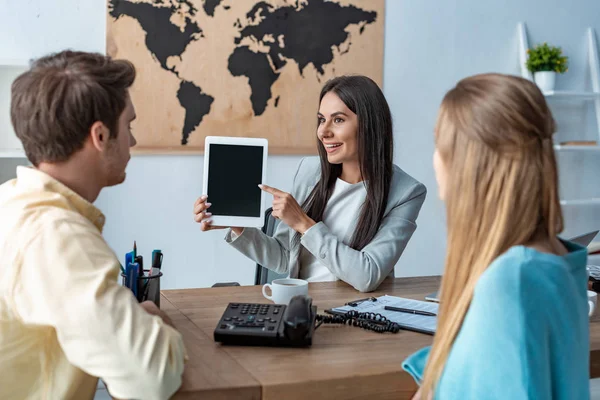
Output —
(252, 324)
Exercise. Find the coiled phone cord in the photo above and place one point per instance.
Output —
(369, 321)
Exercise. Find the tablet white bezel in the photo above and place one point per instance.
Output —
(231, 220)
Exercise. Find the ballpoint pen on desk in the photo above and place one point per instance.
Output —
(409, 311)
(354, 303)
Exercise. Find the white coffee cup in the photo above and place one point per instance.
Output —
(282, 290)
(592, 301)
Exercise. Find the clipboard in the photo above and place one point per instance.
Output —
(410, 322)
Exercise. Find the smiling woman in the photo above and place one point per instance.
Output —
(351, 211)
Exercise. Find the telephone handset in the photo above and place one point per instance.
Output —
(299, 318)
(268, 324)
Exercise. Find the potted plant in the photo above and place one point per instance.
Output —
(545, 61)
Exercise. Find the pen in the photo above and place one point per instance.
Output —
(131, 277)
(409, 311)
(157, 257)
(140, 282)
(146, 290)
(356, 302)
(128, 260)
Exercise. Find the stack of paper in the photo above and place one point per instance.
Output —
(414, 322)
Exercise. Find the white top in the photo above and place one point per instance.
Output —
(341, 217)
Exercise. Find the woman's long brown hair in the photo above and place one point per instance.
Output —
(494, 136)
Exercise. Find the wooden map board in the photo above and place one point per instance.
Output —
(205, 67)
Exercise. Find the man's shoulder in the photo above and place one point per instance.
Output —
(36, 210)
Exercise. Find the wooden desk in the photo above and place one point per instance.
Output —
(343, 362)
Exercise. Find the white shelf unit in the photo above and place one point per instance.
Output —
(581, 202)
(568, 95)
(10, 146)
(577, 148)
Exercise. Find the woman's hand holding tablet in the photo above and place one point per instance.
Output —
(202, 216)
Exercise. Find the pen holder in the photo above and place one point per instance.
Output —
(150, 287)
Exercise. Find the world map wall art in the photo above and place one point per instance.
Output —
(239, 67)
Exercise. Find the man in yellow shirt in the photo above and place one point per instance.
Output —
(64, 320)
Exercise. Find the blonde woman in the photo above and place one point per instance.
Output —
(513, 321)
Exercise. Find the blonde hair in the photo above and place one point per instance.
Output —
(494, 136)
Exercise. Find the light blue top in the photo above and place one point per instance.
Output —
(526, 334)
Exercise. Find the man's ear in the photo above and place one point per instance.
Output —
(99, 135)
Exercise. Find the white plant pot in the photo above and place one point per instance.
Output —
(545, 80)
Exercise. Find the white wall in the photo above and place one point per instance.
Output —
(432, 44)
(429, 45)
(32, 28)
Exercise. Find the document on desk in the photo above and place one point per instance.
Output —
(414, 322)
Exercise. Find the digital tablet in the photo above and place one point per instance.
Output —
(233, 169)
(435, 296)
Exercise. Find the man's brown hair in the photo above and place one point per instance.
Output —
(55, 103)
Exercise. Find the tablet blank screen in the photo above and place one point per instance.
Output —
(234, 173)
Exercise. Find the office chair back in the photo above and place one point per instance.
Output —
(264, 275)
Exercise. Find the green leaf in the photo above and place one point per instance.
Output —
(546, 58)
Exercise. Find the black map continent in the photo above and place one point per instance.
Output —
(305, 35)
(196, 105)
(163, 40)
(255, 66)
(210, 6)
